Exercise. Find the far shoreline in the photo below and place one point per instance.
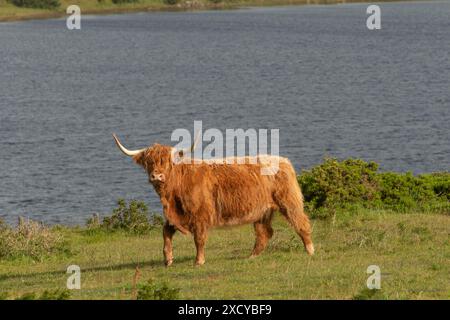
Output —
(25, 14)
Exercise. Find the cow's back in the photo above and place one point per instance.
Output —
(231, 194)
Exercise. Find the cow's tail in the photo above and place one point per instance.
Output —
(290, 201)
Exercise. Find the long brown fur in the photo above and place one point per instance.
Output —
(198, 195)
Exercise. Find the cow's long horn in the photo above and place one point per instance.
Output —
(125, 150)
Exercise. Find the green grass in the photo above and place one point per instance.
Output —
(412, 250)
(9, 12)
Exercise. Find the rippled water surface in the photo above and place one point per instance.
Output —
(317, 73)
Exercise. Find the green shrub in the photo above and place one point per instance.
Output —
(133, 218)
(154, 291)
(335, 184)
(350, 184)
(439, 182)
(406, 192)
(27, 296)
(403, 192)
(57, 294)
(39, 4)
(30, 239)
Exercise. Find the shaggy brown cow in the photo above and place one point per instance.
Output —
(197, 195)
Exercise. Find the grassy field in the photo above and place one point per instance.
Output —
(412, 250)
(9, 12)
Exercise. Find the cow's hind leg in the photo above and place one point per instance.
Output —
(200, 236)
(263, 232)
(168, 232)
(300, 221)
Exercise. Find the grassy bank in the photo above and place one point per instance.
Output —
(360, 217)
(412, 251)
(10, 12)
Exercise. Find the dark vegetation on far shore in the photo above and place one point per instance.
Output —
(53, 4)
(38, 4)
(11, 10)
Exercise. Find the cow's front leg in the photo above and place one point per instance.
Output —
(168, 232)
(200, 236)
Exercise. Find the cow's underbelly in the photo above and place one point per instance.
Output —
(238, 217)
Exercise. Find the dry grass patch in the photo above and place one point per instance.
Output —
(30, 239)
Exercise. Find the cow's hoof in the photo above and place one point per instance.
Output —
(253, 255)
(168, 263)
(199, 263)
(310, 249)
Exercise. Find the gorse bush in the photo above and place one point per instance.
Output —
(406, 192)
(336, 185)
(30, 239)
(156, 291)
(133, 218)
(38, 4)
(439, 182)
(130, 218)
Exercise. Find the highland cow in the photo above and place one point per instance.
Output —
(197, 195)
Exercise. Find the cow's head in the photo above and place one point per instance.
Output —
(157, 160)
